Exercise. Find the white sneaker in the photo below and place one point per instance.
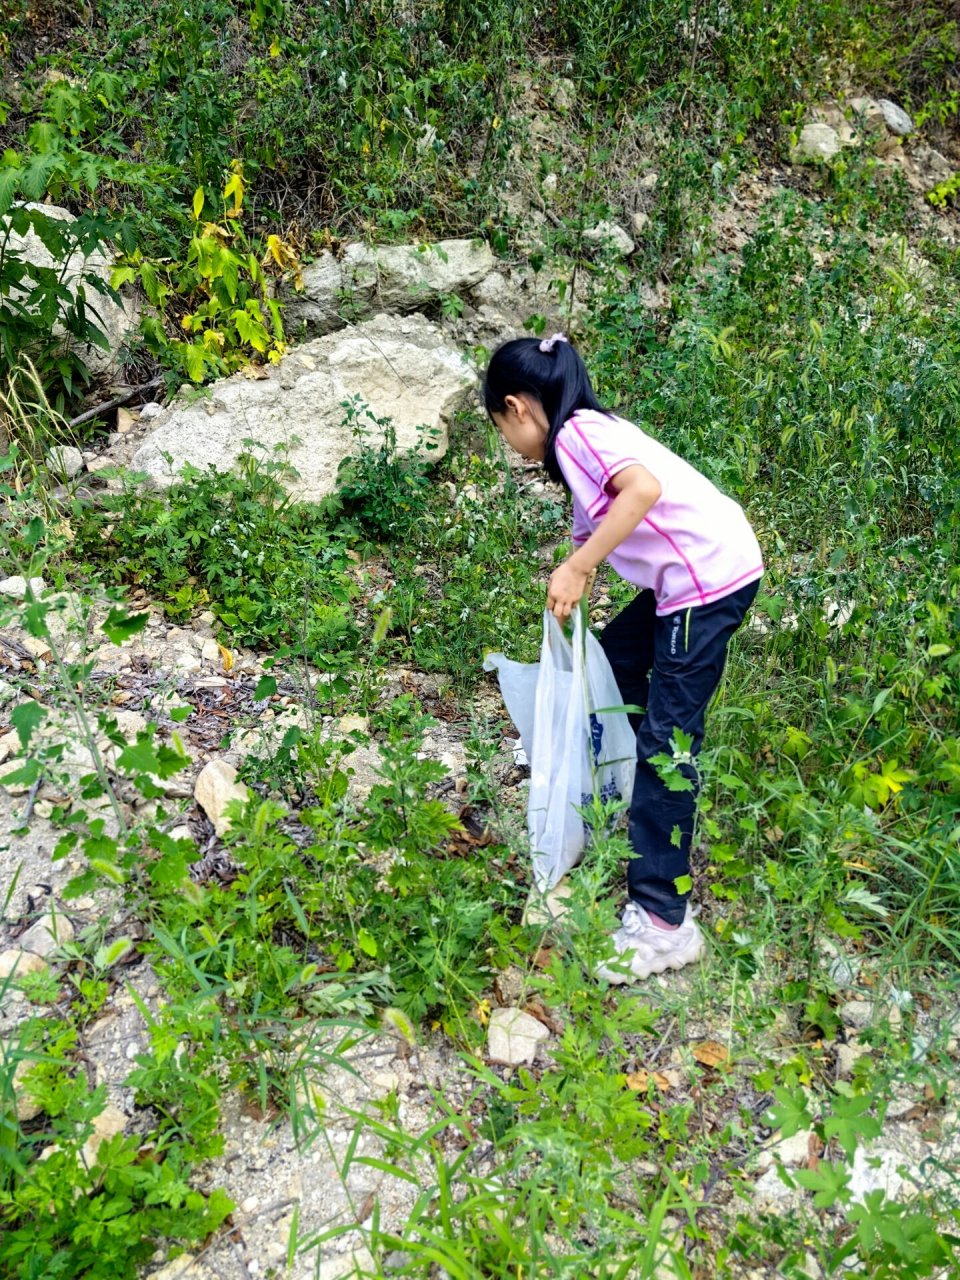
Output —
(642, 949)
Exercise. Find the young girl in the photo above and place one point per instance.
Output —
(694, 557)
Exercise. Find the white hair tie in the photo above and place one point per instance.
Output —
(547, 345)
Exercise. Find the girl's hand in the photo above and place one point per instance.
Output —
(566, 588)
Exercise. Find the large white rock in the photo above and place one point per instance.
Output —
(116, 320)
(897, 120)
(513, 1036)
(401, 367)
(216, 786)
(816, 142)
(398, 278)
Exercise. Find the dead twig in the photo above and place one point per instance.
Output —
(115, 403)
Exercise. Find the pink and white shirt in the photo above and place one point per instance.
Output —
(694, 546)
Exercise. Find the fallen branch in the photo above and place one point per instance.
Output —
(115, 403)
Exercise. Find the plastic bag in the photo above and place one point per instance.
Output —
(577, 748)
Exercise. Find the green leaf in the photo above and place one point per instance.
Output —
(9, 181)
(179, 714)
(25, 718)
(107, 956)
(683, 884)
(829, 1181)
(789, 1114)
(367, 943)
(120, 625)
(266, 688)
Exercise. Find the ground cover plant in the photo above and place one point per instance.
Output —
(811, 372)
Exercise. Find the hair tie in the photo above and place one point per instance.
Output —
(547, 345)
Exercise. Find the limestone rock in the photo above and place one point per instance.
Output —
(65, 461)
(116, 320)
(43, 937)
(27, 1107)
(896, 119)
(870, 112)
(545, 908)
(856, 1013)
(150, 411)
(639, 222)
(216, 786)
(18, 962)
(17, 586)
(877, 1169)
(610, 236)
(513, 1036)
(397, 278)
(106, 1125)
(402, 368)
(816, 142)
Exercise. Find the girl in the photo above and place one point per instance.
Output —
(664, 527)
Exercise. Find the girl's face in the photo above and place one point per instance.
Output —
(524, 426)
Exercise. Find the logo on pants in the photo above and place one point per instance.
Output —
(674, 632)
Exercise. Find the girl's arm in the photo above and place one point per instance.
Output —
(637, 492)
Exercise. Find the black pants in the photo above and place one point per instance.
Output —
(671, 666)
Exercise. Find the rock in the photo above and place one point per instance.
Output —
(106, 1125)
(491, 289)
(18, 962)
(210, 651)
(794, 1150)
(17, 586)
(513, 1036)
(877, 1169)
(64, 461)
(847, 1055)
(396, 278)
(215, 787)
(856, 1013)
(816, 142)
(150, 411)
(27, 1107)
(895, 118)
(354, 724)
(402, 368)
(869, 113)
(545, 908)
(48, 933)
(610, 236)
(639, 222)
(116, 320)
(185, 1267)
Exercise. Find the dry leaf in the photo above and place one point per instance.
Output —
(125, 421)
(255, 372)
(638, 1080)
(227, 657)
(710, 1053)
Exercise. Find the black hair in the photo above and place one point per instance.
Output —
(557, 378)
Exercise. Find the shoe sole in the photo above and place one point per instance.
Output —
(622, 979)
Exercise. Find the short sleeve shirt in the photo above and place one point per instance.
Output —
(694, 546)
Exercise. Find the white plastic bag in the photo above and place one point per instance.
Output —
(577, 748)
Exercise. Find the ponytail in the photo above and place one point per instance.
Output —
(551, 372)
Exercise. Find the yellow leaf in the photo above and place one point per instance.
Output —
(275, 48)
(234, 188)
(227, 657)
(482, 1010)
(197, 203)
(710, 1053)
(637, 1081)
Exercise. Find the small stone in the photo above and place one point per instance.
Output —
(794, 1150)
(183, 1268)
(385, 1082)
(610, 236)
(250, 1204)
(895, 118)
(877, 1169)
(17, 587)
(64, 461)
(210, 651)
(639, 222)
(125, 423)
(106, 1125)
(856, 1013)
(100, 462)
(513, 1036)
(52, 930)
(816, 142)
(215, 788)
(549, 183)
(150, 411)
(354, 724)
(545, 908)
(847, 1056)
